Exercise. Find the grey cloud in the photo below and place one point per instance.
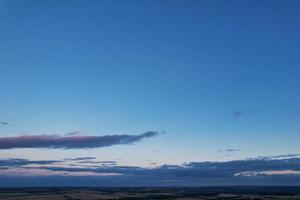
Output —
(230, 150)
(193, 169)
(71, 142)
(190, 174)
(4, 123)
(153, 163)
(104, 163)
(80, 158)
(240, 113)
(74, 133)
(22, 162)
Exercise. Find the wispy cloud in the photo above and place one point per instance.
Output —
(240, 113)
(269, 173)
(91, 160)
(103, 163)
(13, 162)
(282, 156)
(80, 158)
(71, 142)
(4, 123)
(74, 133)
(230, 150)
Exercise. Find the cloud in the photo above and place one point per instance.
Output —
(80, 158)
(193, 169)
(153, 163)
(269, 173)
(71, 142)
(73, 133)
(240, 113)
(237, 172)
(22, 162)
(279, 156)
(4, 123)
(104, 163)
(230, 150)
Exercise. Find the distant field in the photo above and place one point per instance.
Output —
(211, 193)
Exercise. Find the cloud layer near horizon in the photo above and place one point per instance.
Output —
(258, 171)
(71, 141)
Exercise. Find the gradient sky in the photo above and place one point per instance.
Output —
(221, 78)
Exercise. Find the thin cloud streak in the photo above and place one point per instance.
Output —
(269, 173)
(240, 113)
(80, 158)
(295, 155)
(17, 162)
(71, 142)
(4, 123)
(230, 150)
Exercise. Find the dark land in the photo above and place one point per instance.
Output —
(92, 193)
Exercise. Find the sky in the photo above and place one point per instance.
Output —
(149, 88)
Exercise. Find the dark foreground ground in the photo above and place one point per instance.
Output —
(213, 193)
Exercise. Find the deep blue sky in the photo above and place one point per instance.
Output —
(215, 75)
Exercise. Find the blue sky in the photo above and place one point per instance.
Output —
(214, 75)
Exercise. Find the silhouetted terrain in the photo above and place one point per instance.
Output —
(213, 193)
